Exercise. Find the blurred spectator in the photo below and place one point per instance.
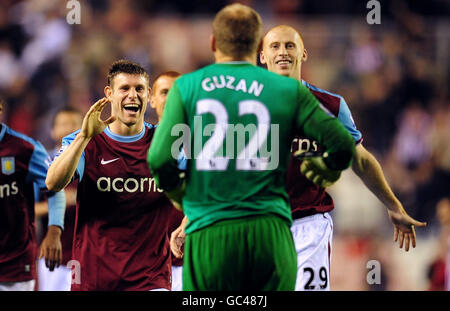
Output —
(50, 33)
(412, 142)
(365, 55)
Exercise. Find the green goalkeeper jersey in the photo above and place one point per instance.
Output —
(238, 121)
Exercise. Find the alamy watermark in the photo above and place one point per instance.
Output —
(75, 267)
(74, 14)
(374, 15)
(374, 273)
(254, 147)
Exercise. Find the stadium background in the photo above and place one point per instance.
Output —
(394, 76)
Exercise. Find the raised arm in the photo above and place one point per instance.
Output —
(369, 170)
(63, 167)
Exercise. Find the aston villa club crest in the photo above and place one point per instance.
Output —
(8, 165)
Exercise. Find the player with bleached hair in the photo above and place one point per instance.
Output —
(284, 52)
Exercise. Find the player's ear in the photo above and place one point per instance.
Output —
(213, 42)
(262, 58)
(260, 45)
(152, 102)
(108, 92)
(305, 55)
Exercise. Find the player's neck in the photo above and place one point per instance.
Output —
(122, 129)
(222, 58)
(297, 75)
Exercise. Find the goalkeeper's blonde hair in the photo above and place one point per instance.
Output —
(237, 29)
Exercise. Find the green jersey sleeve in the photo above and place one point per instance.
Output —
(327, 130)
(161, 159)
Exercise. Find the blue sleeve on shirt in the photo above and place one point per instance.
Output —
(66, 141)
(39, 163)
(37, 172)
(345, 116)
(57, 209)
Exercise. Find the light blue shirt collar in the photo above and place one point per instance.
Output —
(125, 139)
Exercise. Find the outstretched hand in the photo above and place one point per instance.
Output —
(92, 122)
(404, 231)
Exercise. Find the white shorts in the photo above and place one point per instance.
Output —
(177, 278)
(57, 280)
(18, 286)
(312, 238)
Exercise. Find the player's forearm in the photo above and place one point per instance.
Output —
(160, 161)
(163, 153)
(176, 196)
(63, 167)
(164, 169)
(369, 170)
(40, 209)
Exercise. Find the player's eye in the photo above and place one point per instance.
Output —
(290, 46)
(275, 46)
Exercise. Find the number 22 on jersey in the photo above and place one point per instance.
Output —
(247, 159)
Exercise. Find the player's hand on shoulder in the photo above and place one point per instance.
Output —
(51, 248)
(92, 122)
(315, 169)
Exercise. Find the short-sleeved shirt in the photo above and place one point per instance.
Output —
(121, 234)
(307, 198)
(24, 162)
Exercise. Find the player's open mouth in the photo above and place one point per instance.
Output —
(283, 62)
(132, 107)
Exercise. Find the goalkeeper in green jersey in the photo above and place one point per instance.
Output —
(236, 134)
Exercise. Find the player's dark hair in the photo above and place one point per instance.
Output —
(170, 73)
(237, 29)
(125, 66)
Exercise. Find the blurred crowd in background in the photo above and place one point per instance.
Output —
(394, 77)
